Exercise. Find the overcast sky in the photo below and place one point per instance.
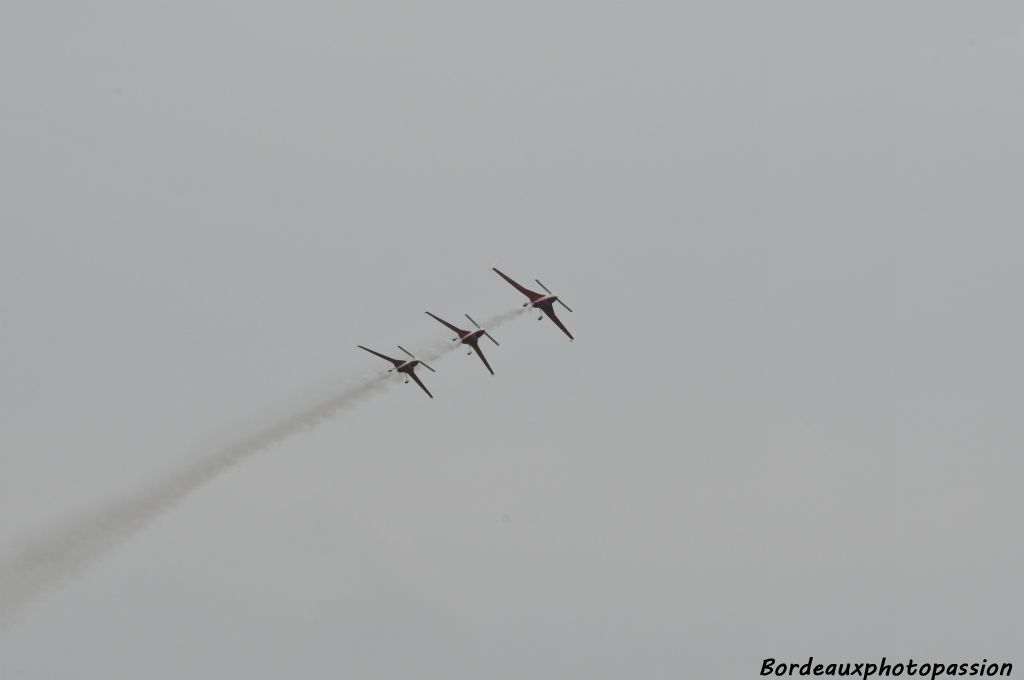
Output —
(790, 423)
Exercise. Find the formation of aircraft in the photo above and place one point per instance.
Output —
(545, 304)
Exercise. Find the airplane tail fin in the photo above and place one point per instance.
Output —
(413, 356)
(557, 299)
(489, 336)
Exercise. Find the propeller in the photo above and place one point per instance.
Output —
(422, 362)
(557, 299)
(482, 328)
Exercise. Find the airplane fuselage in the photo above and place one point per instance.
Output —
(472, 339)
(546, 301)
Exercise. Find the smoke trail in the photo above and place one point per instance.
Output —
(503, 318)
(50, 560)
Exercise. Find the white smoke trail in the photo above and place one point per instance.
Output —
(503, 318)
(55, 557)
(50, 560)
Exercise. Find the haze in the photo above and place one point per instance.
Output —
(789, 425)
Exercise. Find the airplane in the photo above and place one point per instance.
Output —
(406, 366)
(544, 303)
(471, 338)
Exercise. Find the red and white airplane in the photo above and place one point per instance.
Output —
(544, 303)
(406, 366)
(471, 338)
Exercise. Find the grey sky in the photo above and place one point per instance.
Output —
(790, 425)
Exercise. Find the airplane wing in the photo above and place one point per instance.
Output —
(551, 315)
(480, 354)
(396, 362)
(525, 291)
(451, 327)
(420, 383)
